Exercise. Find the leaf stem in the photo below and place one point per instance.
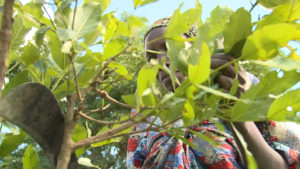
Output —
(74, 14)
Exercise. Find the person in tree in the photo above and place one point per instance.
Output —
(273, 145)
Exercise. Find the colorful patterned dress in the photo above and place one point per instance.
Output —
(159, 150)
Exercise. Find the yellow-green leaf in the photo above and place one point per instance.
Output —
(30, 158)
(264, 43)
(200, 72)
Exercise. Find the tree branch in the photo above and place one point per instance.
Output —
(67, 144)
(76, 79)
(5, 38)
(107, 122)
(105, 95)
(98, 110)
(110, 133)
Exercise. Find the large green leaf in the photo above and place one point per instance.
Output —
(30, 54)
(61, 59)
(286, 13)
(30, 158)
(272, 3)
(285, 106)
(34, 8)
(236, 32)
(260, 98)
(87, 18)
(200, 72)
(11, 142)
(264, 43)
(146, 78)
(113, 48)
(18, 33)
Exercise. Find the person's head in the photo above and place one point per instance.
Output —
(156, 48)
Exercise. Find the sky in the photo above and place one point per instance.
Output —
(163, 8)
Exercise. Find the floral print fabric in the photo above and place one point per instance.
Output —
(160, 150)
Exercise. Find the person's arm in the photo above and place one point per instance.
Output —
(265, 156)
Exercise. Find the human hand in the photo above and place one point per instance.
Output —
(225, 80)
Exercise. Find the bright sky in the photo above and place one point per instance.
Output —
(163, 8)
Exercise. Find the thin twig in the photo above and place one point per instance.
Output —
(5, 38)
(76, 78)
(98, 110)
(105, 95)
(253, 6)
(110, 133)
(107, 122)
(48, 16)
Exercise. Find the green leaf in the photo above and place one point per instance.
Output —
(146, 78)
(91, 38)
(86, 162)
(87, 18)
(104, 3)
(178, 59)
(30, 158)
(236, 32)
(264, 43)
(129, 99)
(272, 3)
(181, 23)
(120, 69)
(79, 133)
(285, 106)
(65, 34)
(18, 79)
(216, 22)
(30, 54)
(188, 115)
(200, 72)
(286, 13)
(113, 48)
(113, 140)
(34, 9)
(11, 142)
(39, 35)
(111, 27)
(18, 33)
(282, 63)
(86, 75)
(259, 96)
(135, 23)
(139, 3)
(60, 59)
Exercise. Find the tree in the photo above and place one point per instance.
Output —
(84, 82)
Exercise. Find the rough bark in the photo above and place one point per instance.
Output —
(5, 38)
